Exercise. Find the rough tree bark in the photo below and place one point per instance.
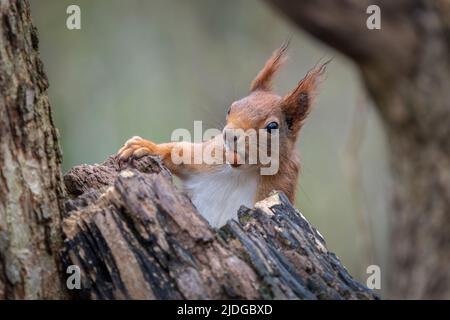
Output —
(406, 68)
(136, 236)
(132, 233)
(30, 178)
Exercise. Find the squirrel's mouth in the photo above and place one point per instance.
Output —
(233, 159)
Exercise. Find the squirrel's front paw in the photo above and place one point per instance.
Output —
(136, 147)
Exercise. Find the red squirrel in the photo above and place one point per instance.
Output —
(219, 189)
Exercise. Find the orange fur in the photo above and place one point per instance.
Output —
(263, 81)
(255, 111)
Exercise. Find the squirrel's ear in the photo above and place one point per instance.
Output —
(297, 104)
(263, 80)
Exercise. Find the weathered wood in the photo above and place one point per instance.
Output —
(135, 235)
(31, 187)
(406, 68)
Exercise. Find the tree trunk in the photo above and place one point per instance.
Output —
(30, 177)
(134, 235)
(406, 69)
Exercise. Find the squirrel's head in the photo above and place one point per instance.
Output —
(265, 111)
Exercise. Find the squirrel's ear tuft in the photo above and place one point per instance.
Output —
(297, 104)
(263, 80)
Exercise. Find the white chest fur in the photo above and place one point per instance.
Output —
(219, 194)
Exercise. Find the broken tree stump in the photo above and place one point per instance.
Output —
(135, 235)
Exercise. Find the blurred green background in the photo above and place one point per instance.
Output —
(147, 67)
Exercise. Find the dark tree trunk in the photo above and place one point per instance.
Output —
(30, 177)
(135, 235)
(406, 68)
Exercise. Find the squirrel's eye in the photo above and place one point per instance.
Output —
(229, 109)
(271, 126)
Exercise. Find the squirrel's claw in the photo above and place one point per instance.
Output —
(126, 153)
(135, 147)
(139, 153)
